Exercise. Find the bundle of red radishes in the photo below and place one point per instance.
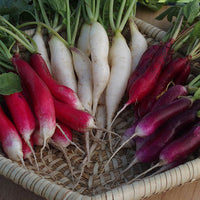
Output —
(86, 80)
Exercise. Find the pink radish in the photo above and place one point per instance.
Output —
(41, 47)
(22, 116)
(60, 92)
(76, 119)
(60, 139)
(41, 97)
(10, 139)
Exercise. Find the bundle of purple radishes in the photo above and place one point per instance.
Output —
(82, 86)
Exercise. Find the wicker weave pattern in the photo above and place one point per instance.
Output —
(55, 182)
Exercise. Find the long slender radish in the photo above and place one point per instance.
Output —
(143, 64)
(181, 147)
(169, 72)
(138, 44)
(99, 44)
(120, 61)
(170, 95)
(83, 40)
(76, 119)
(83, 68)
(62, 64)
(22, 116)
(41, 97)
(150, 150)
(147, 81)
(9, 138)
(41, 47)
(183, 76)
(60, 92)
(155, 119)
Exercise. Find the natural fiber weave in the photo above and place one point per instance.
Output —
(54, 181)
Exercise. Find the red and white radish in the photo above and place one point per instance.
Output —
(9, 138)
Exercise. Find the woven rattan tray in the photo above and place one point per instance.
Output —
(55, 181)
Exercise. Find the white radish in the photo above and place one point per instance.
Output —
(120, 61)
(84, 39)
(99, 44)
(62, 64)
(41, 47)
(83, 69)
(138, 44)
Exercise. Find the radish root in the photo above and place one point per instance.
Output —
(69, 139)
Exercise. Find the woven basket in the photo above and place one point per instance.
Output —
(54, 180)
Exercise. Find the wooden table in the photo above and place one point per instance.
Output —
(189, 191)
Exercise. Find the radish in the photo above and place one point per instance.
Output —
(147, 81)
(62, 140)
(153, 120)
(10, 139)
(183, 76)
(27, 152)
(151, 148)
(99, 49)
(138, 44)
(41, 97)
(169, 72)
(60, 92)
(83, 68)
(84, 39)
(170, 95)
(143, 64)
(120, 61)
(62, 64)
(22, 116)
(41, 47)
(76, 119)
(181, 147)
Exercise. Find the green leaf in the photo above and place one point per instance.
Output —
(196, 31)
(191, 10)
(14, 9)
(169, 13)
(9, 83)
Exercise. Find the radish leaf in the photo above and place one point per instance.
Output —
(9, 83)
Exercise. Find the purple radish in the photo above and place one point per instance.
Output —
(153, 120)
(179, 148)
(156, 118)
(170, 95)
(182, 147)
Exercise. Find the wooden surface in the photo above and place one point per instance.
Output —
(190, 191)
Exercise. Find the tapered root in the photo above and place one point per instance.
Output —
(134, 135)
(135, 161)
(69, 139)
(145, 172)
(118, 113)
